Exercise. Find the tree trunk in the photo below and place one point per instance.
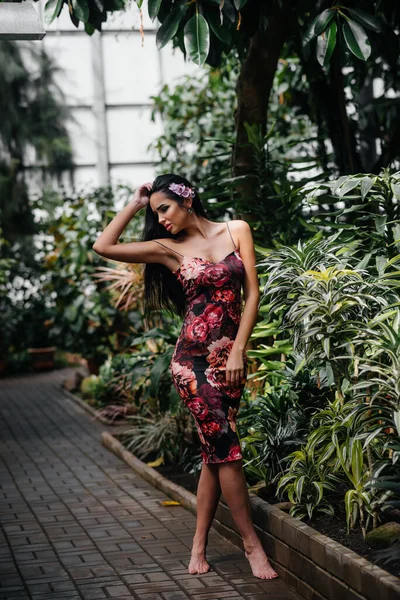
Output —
(253, 91)
(328, 103)
(345, 141)
(368, 154)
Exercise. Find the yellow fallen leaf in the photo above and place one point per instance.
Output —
(170, 503)
(156, 463)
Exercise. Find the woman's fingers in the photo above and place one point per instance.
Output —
(233, 378)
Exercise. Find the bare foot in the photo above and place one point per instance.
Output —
(259, 563)
(198, 564)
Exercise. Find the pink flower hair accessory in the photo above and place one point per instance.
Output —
(182, 190)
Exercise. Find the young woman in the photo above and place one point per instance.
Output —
(196, 268)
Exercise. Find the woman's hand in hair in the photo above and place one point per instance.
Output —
(142, 197)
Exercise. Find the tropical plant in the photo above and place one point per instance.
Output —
(34, 117)
(324, 295)
(305, 483)
(166, 435)
(270, 427)
(358, 500)
(363, 207)
(88, 320)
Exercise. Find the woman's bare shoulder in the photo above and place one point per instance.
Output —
(239, 224)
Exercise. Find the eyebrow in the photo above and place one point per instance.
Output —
(162, 204)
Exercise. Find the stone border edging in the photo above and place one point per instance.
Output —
(314, 565)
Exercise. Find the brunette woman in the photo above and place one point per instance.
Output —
(197, 268)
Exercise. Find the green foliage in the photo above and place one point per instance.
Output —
(306, 482)
(363, 207)
(333, 304)
(88, 321)
(195, 132)
(270, 427)
(324, 298)
(34, 117)
(211, 28)
(350, 23)
(92, 387)
(165, 435)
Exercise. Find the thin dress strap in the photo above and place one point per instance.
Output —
(168, 248)
(227, 224)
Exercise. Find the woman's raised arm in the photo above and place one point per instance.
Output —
(136, 252)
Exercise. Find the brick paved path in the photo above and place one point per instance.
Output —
(77, 522)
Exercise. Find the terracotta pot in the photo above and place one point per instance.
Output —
(42, 358)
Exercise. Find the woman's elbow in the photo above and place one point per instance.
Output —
(98, 248)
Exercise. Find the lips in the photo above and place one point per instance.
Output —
(168, 227)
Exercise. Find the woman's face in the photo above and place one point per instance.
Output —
(169, 213)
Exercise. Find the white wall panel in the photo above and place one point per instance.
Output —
(174, 64)
(130, 132)
(82, 129)
(72, 54)
(85, 179)
(132, 73)
(133, 175)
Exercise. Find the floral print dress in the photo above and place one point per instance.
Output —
(211, 322)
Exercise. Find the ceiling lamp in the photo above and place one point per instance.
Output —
(20, 21)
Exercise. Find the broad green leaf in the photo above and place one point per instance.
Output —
(153, 8)
(357, 462)
(396, 190)
(348, 186)
(170, 26)
(89, 28)
(320, 490)
(197, 39)
(81, 9)
(222, 33)
(366, 185)
(51, 10)
(380, 224)
(309, 32)
(365, 19)
(323, 21)
(357, 40)
(299, 487)
(326, 44)
(338, 183)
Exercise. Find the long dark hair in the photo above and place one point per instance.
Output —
(162, 290)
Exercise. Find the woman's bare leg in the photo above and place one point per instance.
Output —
(234, 489)
(208, 495)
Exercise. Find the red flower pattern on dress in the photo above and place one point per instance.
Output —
(224, 295)
(219, 351)
(198, 367)
(197, 407)
(184, 380)
(216, 275)
(197, 330)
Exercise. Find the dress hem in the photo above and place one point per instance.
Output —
(218, 462)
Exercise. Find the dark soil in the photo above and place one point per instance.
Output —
(333, 527)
